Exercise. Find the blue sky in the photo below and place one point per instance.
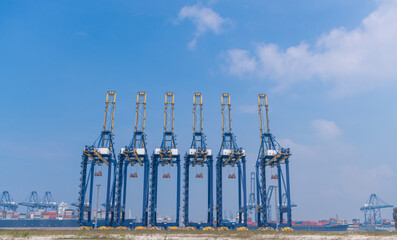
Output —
(327, 67)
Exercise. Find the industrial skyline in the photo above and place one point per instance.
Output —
(337, 119)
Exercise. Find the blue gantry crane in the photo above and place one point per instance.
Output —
(198, 156)
(230, 155)
(134, 154)
(48, 202)
(96, 155)
(7, 203)
(166, 155)
(33, 202)
(271, 154)
(372, 210)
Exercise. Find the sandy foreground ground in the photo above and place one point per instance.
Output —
(195, 236)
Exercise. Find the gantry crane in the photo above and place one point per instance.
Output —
(134, 154)
(271, 154)
(49, 202)
(371, 210)
(166, 155)
(33, 202)
(6, 202)
(230, 155)
(198, 156)
(96, 155)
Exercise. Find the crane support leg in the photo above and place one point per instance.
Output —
(153, 194)
(178, 189)
(91, 190)
(210, 194)
(108, 194)
(219, 193)
(244, 191)
(258, 203)
(288, 192)
(240, 208)
(83, 177)
(280, 195)
(186, 192)
(119, 186)
(262, 187)
(145, 193)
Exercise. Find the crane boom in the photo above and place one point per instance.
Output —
(169, 113)
(226, 113)
(197, 113)
(140, 113)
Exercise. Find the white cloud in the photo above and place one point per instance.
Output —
(205, 19)
(349, 60)
(326, 129)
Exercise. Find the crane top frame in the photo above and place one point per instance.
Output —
(229, 151)
(110, 106)
(197, 113)
(226, 113)
(270, 149)
(168, 152)
(198, 149)
(140, 113)
(103, 146)
(136, 152)
(169, 113)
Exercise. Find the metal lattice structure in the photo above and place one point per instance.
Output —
(100, 153)
(134, 154)
(7, 203)
(372, 210)
(166, 155)
(49, 202)
(230, 155)
(33, 203)
(198, 156)
(252, 207)
(271, 154)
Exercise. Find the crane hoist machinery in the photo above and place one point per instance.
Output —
(166, 155)
(233, 156)
(198, 156)
(99, 154)
(135, 154)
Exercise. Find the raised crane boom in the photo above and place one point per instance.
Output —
(198, 156)
(97, 154)
(230, 155)
(167, 154)
(271, 154)
(169, 136)
(134, 154)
